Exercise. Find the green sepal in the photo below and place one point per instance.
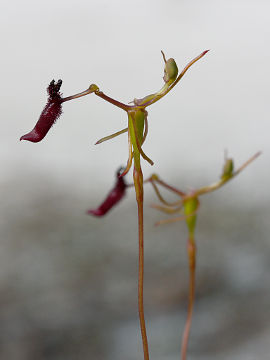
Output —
(139, 119)
(190, 209)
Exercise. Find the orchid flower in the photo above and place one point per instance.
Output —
(137, 130)
(188, 206)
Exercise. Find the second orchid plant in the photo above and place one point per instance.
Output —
(137, 130)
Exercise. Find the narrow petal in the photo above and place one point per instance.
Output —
(144, 156)
(109, 137)
(130, 156)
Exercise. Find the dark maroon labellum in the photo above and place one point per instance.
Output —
(113, 198)
(49, 115)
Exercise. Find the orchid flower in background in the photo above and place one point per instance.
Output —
(137, 130)
(188, 207)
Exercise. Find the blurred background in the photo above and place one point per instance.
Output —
(67, 280)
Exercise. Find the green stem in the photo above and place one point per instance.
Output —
(138, 183)
(136, 126)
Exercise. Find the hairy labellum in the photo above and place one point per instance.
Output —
(49, 115)
(113, 198)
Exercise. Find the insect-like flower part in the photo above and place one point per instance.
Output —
(49, 115)
(52, 110)
(113, 198)
(137, 115)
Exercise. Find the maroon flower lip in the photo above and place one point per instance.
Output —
(113, 198)
(49, 115)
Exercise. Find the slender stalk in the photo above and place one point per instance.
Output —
(138, 183)
(192, 266)
(92, 88)
(221, 182)
(113, 101)
(152, 180)
(154, 177)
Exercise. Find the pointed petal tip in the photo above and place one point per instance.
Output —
(24, 137)
(31, 136)
(95, 212)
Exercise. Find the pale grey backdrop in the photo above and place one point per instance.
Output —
(67, 281)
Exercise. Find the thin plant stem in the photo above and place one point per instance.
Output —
(192, 267)
(138, 183)
(243, 166)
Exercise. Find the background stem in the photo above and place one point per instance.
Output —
(192, 265)
(138, 183)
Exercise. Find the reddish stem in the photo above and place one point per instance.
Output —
(169, 187)
(192, 265)
(112, 101)
(138, 183)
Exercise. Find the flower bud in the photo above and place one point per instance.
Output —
(170, 70)
(227, 169)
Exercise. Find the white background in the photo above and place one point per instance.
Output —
(221, 103)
